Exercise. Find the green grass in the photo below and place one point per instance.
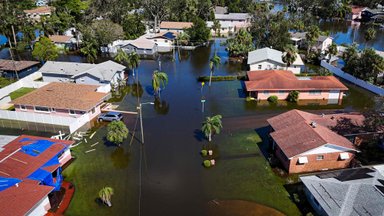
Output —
(20, 92)
(243, 173)
(5, 81)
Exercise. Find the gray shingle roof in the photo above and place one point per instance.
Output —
(232, 16)
(103, 71)
(350, 197)
(266, 53)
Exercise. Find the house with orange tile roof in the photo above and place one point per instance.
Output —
(62, 99)
(265, 83)
(303, 142)
(37, 13)
(63, 41)
(30, 173)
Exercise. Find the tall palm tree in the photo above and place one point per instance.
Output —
(332, 50)
(311, 36)
(212, 125)
(89, 50)
(213, 64)
(289, 55)
(159, 80)
(134, 61)
(121, 56)
(105, 195)
(216, 27)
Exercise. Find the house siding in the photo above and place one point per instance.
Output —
(270, 65)
(87, 79)
(304, 95)
(129, 49)
(51, 77)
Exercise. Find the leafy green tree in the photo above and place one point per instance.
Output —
(369, 34)
(332, 50)
(159, 80)
(241, 44)
(213, 64)
(105, 194)
(212, 125)
(106, 31)
(75, 8)
(121, 56)
(117, 132)
(199, 32)
(311, 37)
(216, 27)
(133, 26)
(89, 49)
(289, 55)
(351, 59)
(293, 96)
(45, 50)
(371, 65)
(156, 10)
(183, 38)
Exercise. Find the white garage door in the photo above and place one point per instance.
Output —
(334, 94)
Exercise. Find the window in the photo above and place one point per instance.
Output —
(259, 67)
(320, 157)
(281, 92)
(53, 110)
(22, 107)
(41, 109)
(266, 92)
(72, 112)
(274, 66)
(315, 92)
(82, 80)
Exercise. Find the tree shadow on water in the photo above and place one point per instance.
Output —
(161, 107)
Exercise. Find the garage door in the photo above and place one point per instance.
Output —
(334, 94)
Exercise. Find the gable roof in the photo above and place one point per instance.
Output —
(276, 80)
(175, 25)
(357, 191)
(295, 135)
(9, 65)
(63, 96)
(268, 54)
(60, 38)
(40, 10)
(232, 16)
(104, 71)
(142, 43)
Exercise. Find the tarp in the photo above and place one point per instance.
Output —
(37, 147)
(7, 182)
(53, 161)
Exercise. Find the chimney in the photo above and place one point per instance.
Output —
(313, 124)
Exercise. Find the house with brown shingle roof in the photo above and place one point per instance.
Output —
(63, 41)
(35, 14)
(303, 142)
(175, 26)
(15, 69)
(265, 83)
(62, 99)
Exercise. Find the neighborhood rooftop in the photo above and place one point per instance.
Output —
(294, 133)
(232, 16)
(358, 191)
(266, 53)
(9, 65)
(63, 96)
(43, 9)
(286, 80)
(60, 38)
(175, 25)
(102, 71)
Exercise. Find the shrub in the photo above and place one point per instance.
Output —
(293, 96)
(204, 152)
(207, 163)
(273, 99)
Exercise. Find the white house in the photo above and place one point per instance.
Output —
(322, 42)
(35, 14)
(271, 59)
(231, 22)
(141, 46)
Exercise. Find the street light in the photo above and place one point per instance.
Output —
(139, 108)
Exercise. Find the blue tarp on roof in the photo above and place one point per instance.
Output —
(7, 182)
(35, 148)
(53, 161)
(169, 35)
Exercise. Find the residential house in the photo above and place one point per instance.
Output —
(221, 10)
(265, 83)
(322, 42)
(357, 191)
(35, 14)
(30, 172)
(355, 12)
(271, 59)
(164, 40)
(175, 26)
(41, 3)
(231, 23)
(63, 41)
(226, 28)
(105, 73)
(17, 69)
(141, 46)
(302, 142)
(368, 14)
(62, 99)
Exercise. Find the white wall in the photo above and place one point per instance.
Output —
(41, 208)
(366, 85)
(271, 66)
(87, 79)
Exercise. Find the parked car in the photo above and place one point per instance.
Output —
(110, 116)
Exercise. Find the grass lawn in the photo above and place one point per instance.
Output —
(243, 173)
(20, 92)
(5, 81)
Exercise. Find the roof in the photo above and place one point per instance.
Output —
(63, 96)
(268, 54)
(357, 9)
(276, 80)
(60, 38)
(301, 36)
(142, 43)
(357, 191)
(221, 10)
(232, 16)
(294, 134)
(21, 199)
(175, 25)
(9, 65)
(103, 71)
(40, 10)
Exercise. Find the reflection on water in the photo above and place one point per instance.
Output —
(161, 106)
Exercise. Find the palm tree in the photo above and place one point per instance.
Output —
(370, 34)
(289, 55)
(312, 34)
(216, 27)
(159, 80)
(89, 50)
(105, 195)
(213, 63)
(212, 125)
(134, 61)
(332, 50)
(121, 56)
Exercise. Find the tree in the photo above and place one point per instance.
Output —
(117, 132)
(133, 26)
(289, 55)
(133, 62)
(332, 50)
(106, 31)
(121, 56)
(156, 10)
(45, 50)
(159, 80)
(213, 64)
(183, 38)
(312, 35)
(105, 194)
(293, 96)
(370, 34)
(199, 32)
(371, 65)
(89, 50)
(216, 27)
(212, 125)
(241, 44)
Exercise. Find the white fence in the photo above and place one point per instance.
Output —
(366, 85)
(71, 123)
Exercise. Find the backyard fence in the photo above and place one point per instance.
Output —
(364, 84)
(41, 122)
